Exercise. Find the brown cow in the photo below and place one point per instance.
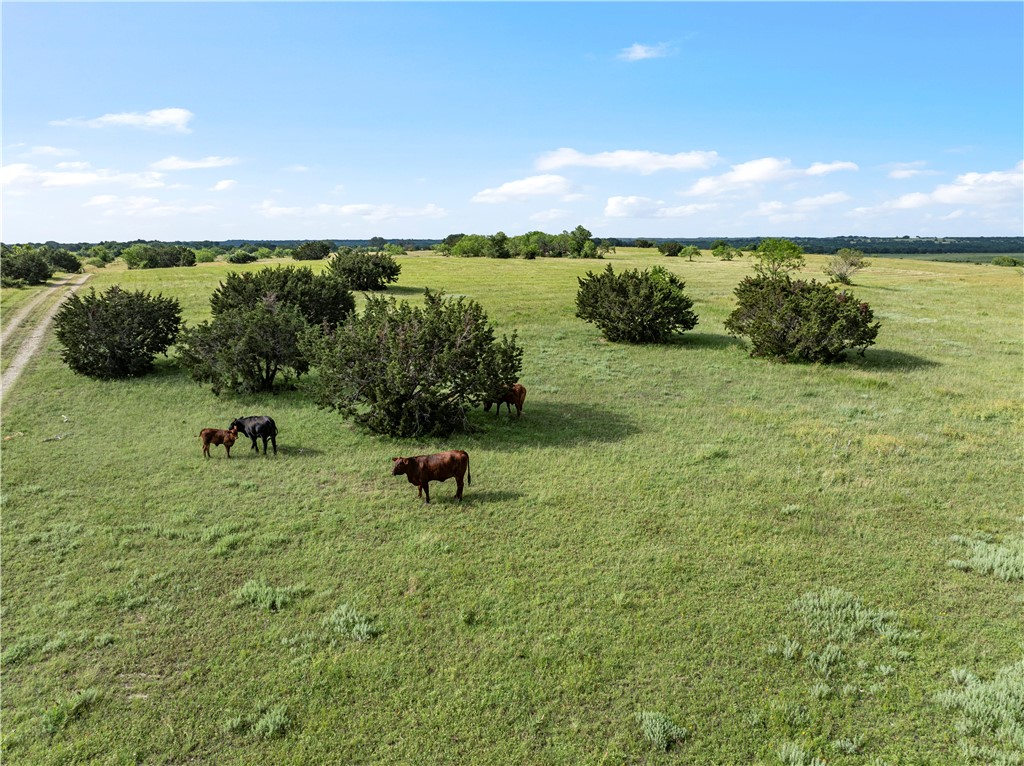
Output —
(516, 395)
(210, 436)
(423, 469)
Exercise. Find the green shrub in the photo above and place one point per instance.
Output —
(670, 249)
(793, 320)
(635, 306)
(241, 256)
(157, 256)
(1007, 260)
(24, 266)
(116, 334)
(365, 271)
(312, 251)
(660, 730)
(726, 252)
(61, 260)
(244, 349)
(405, 370)
(319, 297)
(844, 264)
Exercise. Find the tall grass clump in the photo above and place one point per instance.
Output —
(1004, 560)
(346, 621)
(261, 594)
(990, 728)
(660, 730)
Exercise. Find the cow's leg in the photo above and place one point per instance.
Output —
(458, 489)
(227, 448)
(255, 446)
(426, 490)
(264, 444)
(273, 440)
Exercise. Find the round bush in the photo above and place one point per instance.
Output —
(635, 306)
(24, 267)
(116, 334)
(406, 370)
(312, 251)
(240, 256)
(793, 320)
(365, 271)
(320, 298)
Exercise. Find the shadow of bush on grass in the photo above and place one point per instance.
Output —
(884, 359)
(706, 340)
(551, 424)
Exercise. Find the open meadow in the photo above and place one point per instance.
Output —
(786, 561)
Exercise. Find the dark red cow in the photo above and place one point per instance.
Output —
(516, 395)
(423, 469)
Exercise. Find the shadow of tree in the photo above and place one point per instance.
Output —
(706, 340)
(551, 424)
(884, 359)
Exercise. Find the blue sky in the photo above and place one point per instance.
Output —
(351, 120)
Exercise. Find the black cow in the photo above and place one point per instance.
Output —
(257, 427)
(423, 469)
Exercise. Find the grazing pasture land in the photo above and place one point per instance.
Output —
(678, 554)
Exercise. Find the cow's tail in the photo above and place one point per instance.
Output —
(469, 474)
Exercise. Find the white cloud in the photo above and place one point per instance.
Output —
(627, 159)
(549, 215)
(21, 174)
(224, 185)
(799, 210)
(824, 168)
(524, 188)
(903, 170)
(645, 207)
(157, 119)
(74, 165)
(296, 169)
(366, 211)
(833, 198)
(144, 207)
(177, 163)
(639, 52)
(51, 151)
(1000, 188)
(761, 171)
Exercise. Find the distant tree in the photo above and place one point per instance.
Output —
(719, 243)
(644, 243)
(580, 244)
(61, 260)
(241, 256)
(365, 271)
(472, 246)
(377, 244)
(691, 252)
(499, 245)
(605, 246)
(844, 264)
(158, 255)
(634, 306)
(312, 251)
(116, 334)
(393, 250)
(410, 371)
(778, 256)
(670, 249)
(726, 252)
(23, 265)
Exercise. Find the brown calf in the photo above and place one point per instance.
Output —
(423, 469)
(516, 395)
(210, 436)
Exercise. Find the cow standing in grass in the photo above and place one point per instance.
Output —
(210, 436)
(516, 395)
(257, 427)
(423, 469)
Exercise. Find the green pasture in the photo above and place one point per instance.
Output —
(787, 561)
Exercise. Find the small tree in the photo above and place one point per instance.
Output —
(408, 371)
(312, 251)
(691, 252)
(726, 252)
(365, 271)
(794, 320)
(24, 265)
(244, 349)
(61, 260)
(320, 298)
(116, 334)
(671, 249)
(776, 257)
(844, 264)
(634, 306)
(157, 255)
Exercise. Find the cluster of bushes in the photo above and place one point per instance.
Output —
(782, 318)
(1007, 260)
(23, 265)
(157, 256)
(577, 243)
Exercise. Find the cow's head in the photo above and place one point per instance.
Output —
(237, 425)
(399, 465)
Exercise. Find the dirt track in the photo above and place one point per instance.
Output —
(35, 338)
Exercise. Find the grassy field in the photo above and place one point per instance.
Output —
(786, 561)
